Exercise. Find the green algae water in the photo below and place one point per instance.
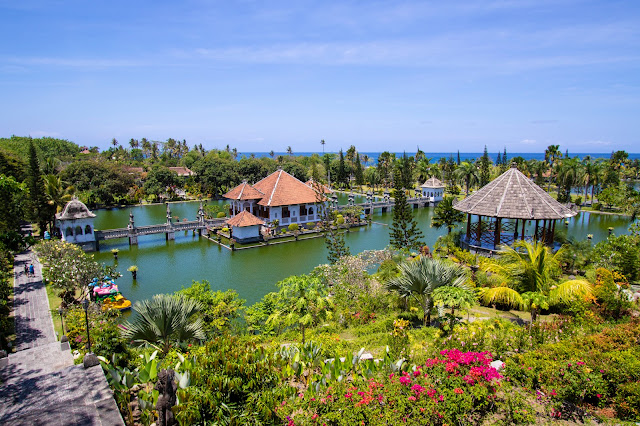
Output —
(166, 266)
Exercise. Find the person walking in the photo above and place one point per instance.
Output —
(26, 269)
(32, 270)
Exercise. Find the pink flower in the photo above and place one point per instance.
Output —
(405, 380)
(598, 395)
(412, 398)
(315, 416)
(458, 391)
(348, 395)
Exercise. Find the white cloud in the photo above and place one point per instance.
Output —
(528, 141)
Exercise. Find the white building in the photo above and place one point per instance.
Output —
(433, 189)
(75, 224)
(245, 227)
(279, 196)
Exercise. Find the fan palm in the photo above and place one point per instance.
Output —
(419, 278)
(163, 320)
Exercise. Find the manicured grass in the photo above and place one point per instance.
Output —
(54, 303)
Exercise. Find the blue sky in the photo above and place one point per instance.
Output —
(381, 75)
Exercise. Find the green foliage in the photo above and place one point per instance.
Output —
(164, 321)
(293, 227)
(6, 290)
(303, 303)
(46, 147)
(100, 181)
(404, 232)
(12, 198)
(159, 179)
(232, 382)
(336, 246)
(419, 278)
(103, 329)
(69, 269)
(619, 253)
(37, 208)
(445, 215)
(218, 309)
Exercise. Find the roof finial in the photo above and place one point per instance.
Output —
(514, 165)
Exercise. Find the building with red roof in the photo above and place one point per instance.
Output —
(278, 196)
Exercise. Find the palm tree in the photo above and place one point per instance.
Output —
(419, 278)
(289, 151)
(454, 298)
(424, 169)
(551, 155)
(58, 193)
(164, 320)
(445, 215)
(114, 142)
(322, 142)
(468, 173)
(531, 269)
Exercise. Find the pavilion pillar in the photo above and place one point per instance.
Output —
(496, 236)
(553, 232)
(524, 222)
(544, 231)
(535, 233)
(468, 227)
(479, 231)
(515, 232)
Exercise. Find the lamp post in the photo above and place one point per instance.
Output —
(61, 311)
(85, 306)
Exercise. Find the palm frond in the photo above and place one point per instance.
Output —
(569, 291)
(503, 296)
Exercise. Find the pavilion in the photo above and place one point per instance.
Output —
(508, 203)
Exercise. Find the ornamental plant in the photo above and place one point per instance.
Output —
(454, 387)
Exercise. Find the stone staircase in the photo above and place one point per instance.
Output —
(39, 385)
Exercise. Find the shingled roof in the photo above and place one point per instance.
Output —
(244, 191)
(514, 196)
(244, 218)
(432, 182)
(75, 209)
(282, 189)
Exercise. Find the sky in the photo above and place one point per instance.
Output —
(381, 75)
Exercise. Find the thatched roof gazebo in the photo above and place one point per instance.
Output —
(511, 196)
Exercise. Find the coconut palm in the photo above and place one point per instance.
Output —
(164, 320)
(468, 173)
(530, 270)
(58, 193)
(419, 278)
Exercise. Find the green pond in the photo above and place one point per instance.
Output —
(166, 266)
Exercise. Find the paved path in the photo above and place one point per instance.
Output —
(34, 326)
(40, 385)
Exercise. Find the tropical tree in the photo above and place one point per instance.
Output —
(531, 270)
(468, 173)
(569, 176)
(303, 302)
(485, 168)
(404, 231)
(38, 209)
(445, 215)
(165, 320)
(419, 278)
(58, 193)
(454, 298)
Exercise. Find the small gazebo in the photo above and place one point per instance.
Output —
(508, 203)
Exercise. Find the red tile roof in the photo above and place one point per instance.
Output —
(244, 218)
(244, 191)
(282, 189)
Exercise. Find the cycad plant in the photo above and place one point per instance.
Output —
(419, 278)
(164, 320)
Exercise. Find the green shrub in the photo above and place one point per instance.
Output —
(221, 215)
(293, 227)
(103, 329)
(225, 230)
(627, 401)
(339, 219)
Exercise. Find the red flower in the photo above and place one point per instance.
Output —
(458, 391)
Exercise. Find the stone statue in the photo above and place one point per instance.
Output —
(167, 387)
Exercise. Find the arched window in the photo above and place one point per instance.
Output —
(310, 210)
(68, 232)
(87, 229)
(78, 230)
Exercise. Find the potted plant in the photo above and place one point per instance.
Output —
(134, 271)
(115, 253)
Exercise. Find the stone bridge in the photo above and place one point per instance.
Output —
(132, 232)
(372, 204)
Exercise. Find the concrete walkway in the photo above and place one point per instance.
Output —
(40, 384)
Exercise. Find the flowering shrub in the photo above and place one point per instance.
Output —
(445, 389)
(398, 340)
